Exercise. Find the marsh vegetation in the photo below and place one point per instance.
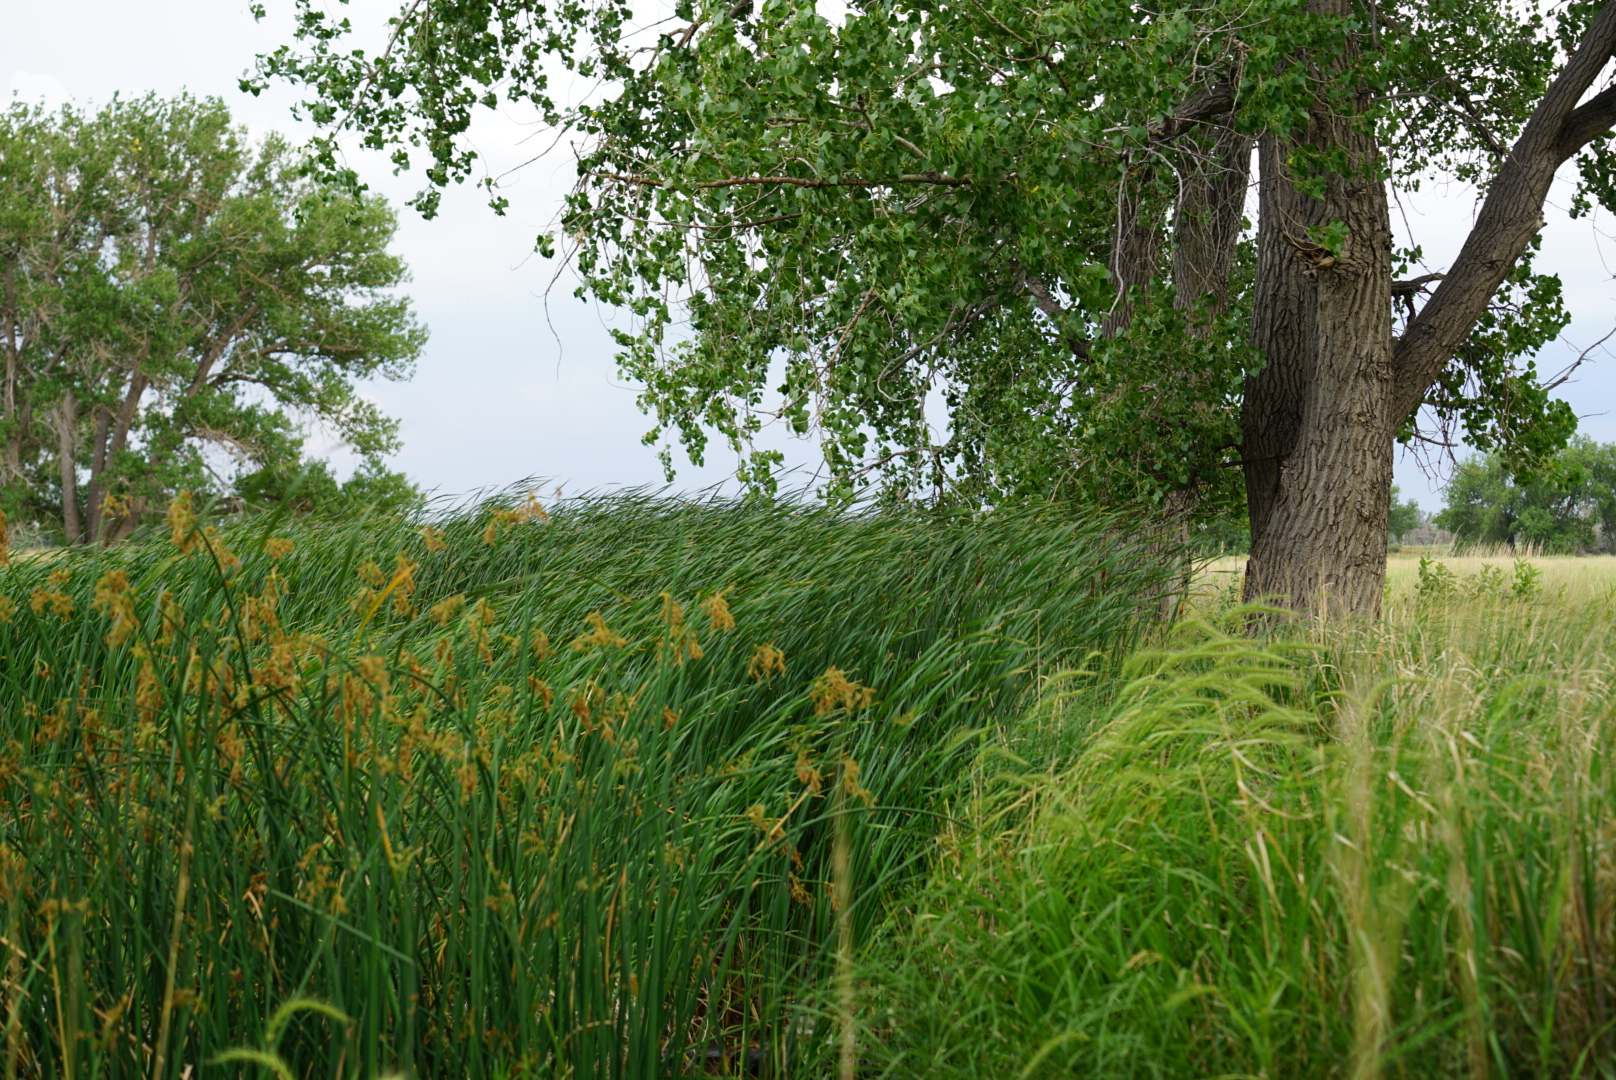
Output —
(629, 788)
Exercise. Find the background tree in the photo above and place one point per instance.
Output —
(309, 488)
(1404, 517)
(1032, 212)
(1568, 506)
(176, 305)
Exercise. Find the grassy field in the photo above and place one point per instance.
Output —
(1383, 852)
(1581, 576)
(646, 789)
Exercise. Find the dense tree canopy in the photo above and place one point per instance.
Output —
(1569, 505)
(175, 305)
(1029, 216)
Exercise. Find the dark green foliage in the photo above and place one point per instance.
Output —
(338, 762)
(308, 487)
(1569, 506)
(852, 219)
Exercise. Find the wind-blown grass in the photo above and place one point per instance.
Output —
(1386, 853)
(513, 794)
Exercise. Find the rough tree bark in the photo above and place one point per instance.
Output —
(1214, 176)
(67, 423)
(111, 436)
(1135, 248)
(1320, 418)
(1271, 410)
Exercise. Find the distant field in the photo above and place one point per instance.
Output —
(1579, 575)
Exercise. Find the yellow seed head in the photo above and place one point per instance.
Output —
(718, 616)
(444, 610)
(530, 510)
(182, 522)
(229, 565)
(116, 599)
(834, 691)
(766, 661)
(495, 520)
(58, 602)
(598, 635)
(807, 775)
(850, 782)
(681, 641)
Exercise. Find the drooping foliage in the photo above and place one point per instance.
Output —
(901, 228)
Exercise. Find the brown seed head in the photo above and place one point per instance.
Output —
(182, 522)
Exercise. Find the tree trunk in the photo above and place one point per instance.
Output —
(1323, 544)
(111, 438)
(67, 454)
(95, 492)
(1321, 423)
(1135, 248)
(1282, 331)
(1319, 419)
(1206, 224)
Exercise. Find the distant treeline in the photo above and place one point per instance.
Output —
(1567, 506)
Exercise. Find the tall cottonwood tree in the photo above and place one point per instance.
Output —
(167, 288)
(1035, 210)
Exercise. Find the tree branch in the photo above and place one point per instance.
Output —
(936, 179)
(1590, 120)
(1195, 111)
(1045, 301)
(1414, 285)
(1510, 217)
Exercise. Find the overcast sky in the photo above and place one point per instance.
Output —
(511, 386)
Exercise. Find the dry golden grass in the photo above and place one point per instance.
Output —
(1565, 577)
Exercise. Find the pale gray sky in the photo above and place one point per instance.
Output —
(498, 397)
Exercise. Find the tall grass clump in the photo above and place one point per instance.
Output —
(1384, 853)
(508, 793)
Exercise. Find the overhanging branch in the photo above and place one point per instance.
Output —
(935, 179)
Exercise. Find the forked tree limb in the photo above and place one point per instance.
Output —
(1194, 112)
(1511, 215)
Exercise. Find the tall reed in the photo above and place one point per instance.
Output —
(511, 792)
